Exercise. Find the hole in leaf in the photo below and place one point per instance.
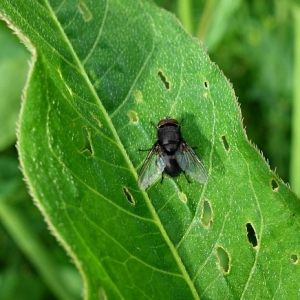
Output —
(85, 12)
(206, 215)
(225, 143)
(96, 119)
(87, 147)
(164, 79)
(206, 85)
(224, 259)
(138, 96)
(294, 258)
(274, 185)
(133, 116)
(251, 235)
(182, 196)
(128, 195)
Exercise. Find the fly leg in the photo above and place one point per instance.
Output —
(162, 177)
(186, 177)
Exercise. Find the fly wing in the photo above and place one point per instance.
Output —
(152, 167)
(190, 163)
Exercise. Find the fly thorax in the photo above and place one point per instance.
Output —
(170, 147)
(169, 137)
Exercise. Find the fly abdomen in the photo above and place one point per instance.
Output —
(172, 167)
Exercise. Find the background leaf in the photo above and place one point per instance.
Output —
(13, 70)
(92, 94)
(32, 263)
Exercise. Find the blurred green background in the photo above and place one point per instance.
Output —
(253, 43)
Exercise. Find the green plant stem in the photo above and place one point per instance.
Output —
(18, 228)
(205, 20)
(215, 20)
(295, 143)
(185, 15)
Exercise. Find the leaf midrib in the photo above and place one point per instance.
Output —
(115, 135)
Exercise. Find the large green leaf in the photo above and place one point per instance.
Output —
(103, 70)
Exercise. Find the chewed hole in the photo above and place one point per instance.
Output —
(206, 215)
(133, 116)
(85, 12)
(182, 196)
(87, 148)
(251, 235)
(294, 259)
(138, 96)
(224, 259)
(164, 79)
(225, 143)
(128, 195)
(205, 83)
(274, 185)
(96, 119)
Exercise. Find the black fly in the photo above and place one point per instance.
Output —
(172, 155)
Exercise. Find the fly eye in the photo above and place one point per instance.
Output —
(161, 123)
(166, 121)
(173, 121)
